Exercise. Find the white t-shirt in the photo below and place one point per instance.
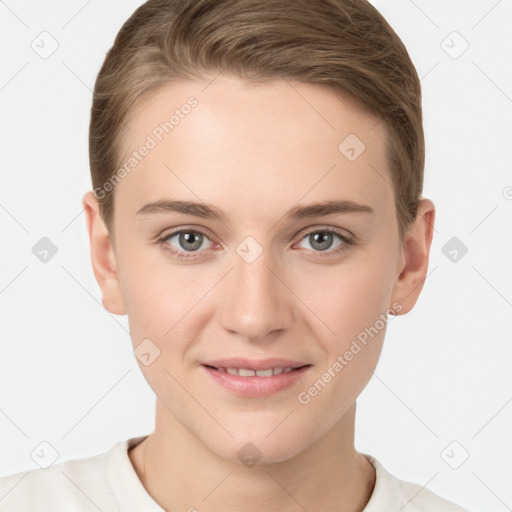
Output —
(108, 482)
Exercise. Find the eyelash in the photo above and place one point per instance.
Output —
(182, 255)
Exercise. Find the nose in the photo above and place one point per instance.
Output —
(257, 304)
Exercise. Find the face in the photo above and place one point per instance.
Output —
(253, 277)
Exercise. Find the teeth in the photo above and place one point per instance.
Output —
(265, 373)
(246, 372)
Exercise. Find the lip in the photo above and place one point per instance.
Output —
(254, 364)
(254, 386)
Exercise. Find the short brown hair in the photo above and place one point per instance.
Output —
(345, 45)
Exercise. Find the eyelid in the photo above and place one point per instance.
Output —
(303, 233)
(173, 231)
(181, 254)
(347, 241)
(345, 233)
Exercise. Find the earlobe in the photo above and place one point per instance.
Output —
(103, 257)
(414, 258)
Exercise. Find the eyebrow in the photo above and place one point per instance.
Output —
(208, 211)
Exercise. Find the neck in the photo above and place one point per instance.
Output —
(180, 473)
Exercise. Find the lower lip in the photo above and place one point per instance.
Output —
(256, 386)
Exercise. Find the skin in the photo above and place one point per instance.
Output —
(255, 151)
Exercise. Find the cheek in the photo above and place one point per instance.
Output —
(158, 293)
(353, 306)
(346, 298)
(350, 302)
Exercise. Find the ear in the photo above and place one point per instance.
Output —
(103, 257)
(413, 265)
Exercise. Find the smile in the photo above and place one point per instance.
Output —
(248, 372)
(255, 379)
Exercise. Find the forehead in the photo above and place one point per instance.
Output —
(240, 144)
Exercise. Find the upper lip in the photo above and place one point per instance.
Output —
(254, 364)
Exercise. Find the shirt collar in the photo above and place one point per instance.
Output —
(129, 492)
(386, 493)
(131, 495)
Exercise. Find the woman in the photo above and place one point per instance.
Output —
(257, 169)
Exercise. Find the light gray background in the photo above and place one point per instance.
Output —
(67, 372)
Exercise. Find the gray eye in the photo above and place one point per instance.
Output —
(189, 241)
(322, 240)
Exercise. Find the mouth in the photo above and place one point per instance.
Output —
(251, 372)
(252, 378)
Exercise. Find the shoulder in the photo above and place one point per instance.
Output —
(77, 484)
(420, 499)
(391, 492)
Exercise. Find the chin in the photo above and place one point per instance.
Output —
(261, 449)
